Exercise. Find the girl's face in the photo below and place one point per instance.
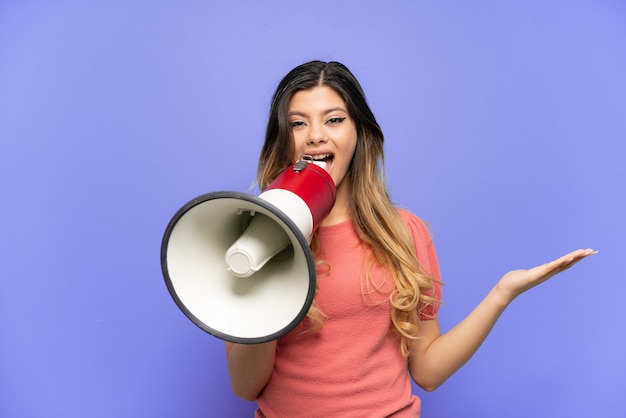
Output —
(323, 130)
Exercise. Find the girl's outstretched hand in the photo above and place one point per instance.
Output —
(517, 282)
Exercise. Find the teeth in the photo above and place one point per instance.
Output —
(321, 157)
(320, 160)
(318, 157)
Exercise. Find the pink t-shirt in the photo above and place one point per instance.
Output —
(353, 366)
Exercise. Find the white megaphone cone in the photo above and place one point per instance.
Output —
(240, 266)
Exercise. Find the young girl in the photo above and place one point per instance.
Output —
(373, 325)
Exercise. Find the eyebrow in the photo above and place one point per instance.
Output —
(325, 112)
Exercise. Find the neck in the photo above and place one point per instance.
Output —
(341, 210)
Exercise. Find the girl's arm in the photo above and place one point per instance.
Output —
(250, 367)
(436, 357)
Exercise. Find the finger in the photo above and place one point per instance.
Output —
(564, 262)
(576, 256)
(569, 260)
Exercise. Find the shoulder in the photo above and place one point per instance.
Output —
(418, 229)
(407, 215)
(422, 240)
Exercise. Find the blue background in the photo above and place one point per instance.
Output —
(505, 129)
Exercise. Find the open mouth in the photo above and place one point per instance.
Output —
(324, 161)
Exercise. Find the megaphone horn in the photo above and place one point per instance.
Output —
(239, 266)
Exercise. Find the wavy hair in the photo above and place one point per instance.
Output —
(376, 220)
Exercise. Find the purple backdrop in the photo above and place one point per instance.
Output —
(506, 130)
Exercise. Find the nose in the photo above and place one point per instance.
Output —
(316, 136)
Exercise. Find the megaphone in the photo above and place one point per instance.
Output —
(240, 266)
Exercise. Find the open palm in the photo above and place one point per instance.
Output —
(516, 282)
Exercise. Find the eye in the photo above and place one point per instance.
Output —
(336, 120)
(296, 124)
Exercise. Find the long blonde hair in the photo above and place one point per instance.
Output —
(376, 220)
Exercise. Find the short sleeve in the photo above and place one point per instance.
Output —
(427, 257)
